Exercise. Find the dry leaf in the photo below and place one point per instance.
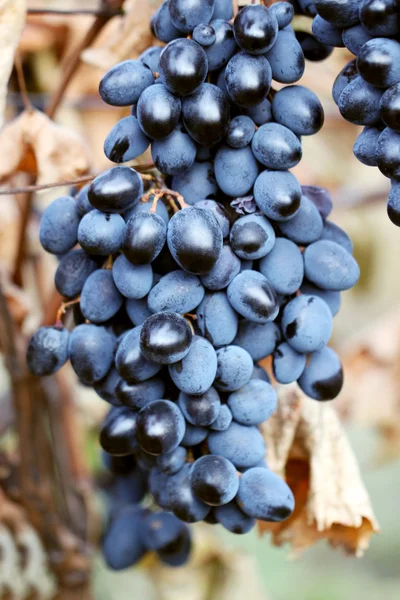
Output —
(35, 144)
(12, 20)
(306, 443)
(124, 37)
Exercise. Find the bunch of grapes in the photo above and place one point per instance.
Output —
(367, 90)
(185, 279)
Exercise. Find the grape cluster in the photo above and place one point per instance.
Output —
(185, 280)
(367, 90)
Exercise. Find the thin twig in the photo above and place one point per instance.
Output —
(22, 83)
(84, 179)
(76, 12)
(24, 222)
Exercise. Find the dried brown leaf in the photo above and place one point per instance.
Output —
(12, 20)
(34, 143)
(306, 443)
(124, 37)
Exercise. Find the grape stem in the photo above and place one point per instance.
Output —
(63, 309)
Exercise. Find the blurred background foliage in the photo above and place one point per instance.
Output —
(367, 330)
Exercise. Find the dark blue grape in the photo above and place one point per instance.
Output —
(230, 516)
(206, 114)
(186, 14)
(125, 141)
(195, 240)
(59, 226)
(200, 411)
(224, 47)
(354, 38)
(379, 62)
(283, 266)
(252, 297)
(320, 197)
(177, 291)
(380, 18)
(194, 435)
(235, 170)
(224, 419)
(393, 205)
(72, 272)
(119, 465)
(172, 462)
(260, 373)
(100, 298)
(248, 79)
(387, 153)
(116, 190)
(107, 386)
(197, 183)
(158, 481)
(183, 66)
(47, 350)
(332, 298)
(123, 83)
(137, 310)
(240, 132)
(253, 403)
(133, 281)
(138, 395)
(219, 213)
(334, 233)
(160, 427)
(182, 500)
(223, 9)
(359, 102)
(158, 112)
(204, 34)
(283, 13)
(151, 57)
(235, 367)
(390, 107)
(195, 373)
(286, 58)
(313, 49)
(118, 433)
(159, 529)
(216, 319)
(342, 13)
(164, 28)
(366, 146)
(256, 29)
(277, 194)
(91, 351)
(101, 233)
(346, 75)
(144, 238)
(83, 205)
(260, 114)
(307, 323)
(307, 7)
(306, 226)
(225, 270)
(165, 338)
(276, 147)
(214, 480)
(243, 446)
(130, 362)
(259, 340)
(330, 266)
(252, 237)
(326, 33)
(264, 496)
(177, 553)
(122, 545)
(287, 364)
(174, 154)
(299, 109)
(322, 379)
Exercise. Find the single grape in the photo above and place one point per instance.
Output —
(276, 147)
(159, 529)
(283, 13)
(235, 170)
(197, 183)
(240, 132)
(235, 367)
(307, 323)
(133, 281)
(287, 364)
(259, 340)
(334, 233)
(172, 462)
(359, 102)
(260, 373)
(390, 107)
(260, 114)
(122, 546)
(130, 362)
(322, 378)
(307, 7)
(47, 350)
(123, 83)
(277, 194)
(264, 496)
(160, 427)
(224, 47)
(248, 79)
(164, 29)
(342, 13)
(118, 433)
(378, 62)
(174, 154)
(72, 272)
(177, 291)
(299, 109)
(100, 233)
(329, 266)
(366, 145)
(195, 240)
(283, 267)
(252, 237)
(183, 66)
(223, 9)
(182, 500)
(204, 35)
(100, 298)
(165, 338)
(206, 114)
(320, 197)
(225, 270)
(393, 205)
(219, 213)
(177, 553)
(151, 57)
(306, 226)
(243, 446)
(216, 319)
(116, 190)
(200, 411)
(125, 141)
(137, 310)
(326, 33)
(380, 17)
(158, 112)
(251, 296)
(256, 29)
(144, 238)
(223, 420)
(346, 75)
(59, 226)
(195, 373)
(194, 435)
(186, 14)
(138, 395)
(332, 298)
(83, 205)
(119, 465)
(313, 50)
(105, 388)
(354, 38)
(387, 153)
(253, 403)
(91, 351)
(229, 515)
(214, 480)
(286, 58)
